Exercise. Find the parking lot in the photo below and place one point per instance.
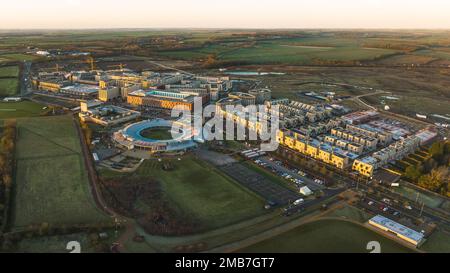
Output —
(260, 184)
(294, 175)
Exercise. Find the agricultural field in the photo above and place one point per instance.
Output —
(197, 190)
(280, 52)
(8, 87)
(20, 109)
(325, 236)
(51, 180)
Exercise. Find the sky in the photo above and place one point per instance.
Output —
(74, 14)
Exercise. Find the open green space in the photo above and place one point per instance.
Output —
(8, 87)
(325, 236)
(350, 213)
(18, 57)
(9, 71)
(54, 244)
(200, 191)
(438, 242)
(157, 133)
(281, 52)
(20, 109)
(51, 181)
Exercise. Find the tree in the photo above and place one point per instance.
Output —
(436, 179)
(413, 173)
(7, 180)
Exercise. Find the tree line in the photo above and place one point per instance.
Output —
(433, 173)
(7, 146)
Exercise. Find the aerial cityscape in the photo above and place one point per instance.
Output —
(223, 139)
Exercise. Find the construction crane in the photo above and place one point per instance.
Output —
(56, 68)
(121, 66)
(90, 60)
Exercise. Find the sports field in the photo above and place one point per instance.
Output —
(326, 236)
(157, 133)
(20, 109)
(51, 181)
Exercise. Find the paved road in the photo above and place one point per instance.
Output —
(25, 81)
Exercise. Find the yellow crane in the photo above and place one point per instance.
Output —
(121, 66)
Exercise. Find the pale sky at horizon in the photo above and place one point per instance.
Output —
(73, 14)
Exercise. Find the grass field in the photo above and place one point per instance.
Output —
(8, 87)
(278, 52)
(20, 109)
(9, 71)
(18, 57)
(51, 181)
(351, 213)
(53, 244)
(326, 236)
(438, 242)
(157, 133)
(199, 191)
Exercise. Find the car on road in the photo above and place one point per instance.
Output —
(370, 203)
(386, 209)
(298, 201)
(408, 207)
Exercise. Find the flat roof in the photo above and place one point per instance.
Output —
(82, 88)
(397, 228)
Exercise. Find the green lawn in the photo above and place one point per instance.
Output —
(157, 133)
(286, 52)
(53, 244)
(201, 192)
(438, 242)
(325, 236)
(18, 57)
(9, 71)
(351, 213)
(8, 87)
(20, 109)
(51, 180)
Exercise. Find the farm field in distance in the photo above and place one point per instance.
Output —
(51, 184)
